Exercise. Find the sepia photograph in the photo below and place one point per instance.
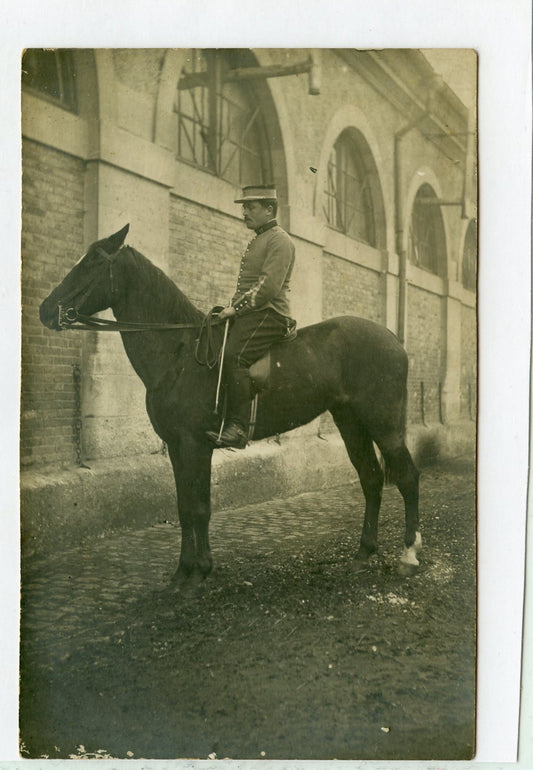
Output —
(248, 403)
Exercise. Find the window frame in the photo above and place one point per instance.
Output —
(210, 123)
(346, 151)
(470, 257)
(426, 219)
(66, 79)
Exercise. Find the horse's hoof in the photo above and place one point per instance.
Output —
(409, 563)
(178, 582)
(363, 559)
(186, 583)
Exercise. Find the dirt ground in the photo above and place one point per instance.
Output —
(285, 653)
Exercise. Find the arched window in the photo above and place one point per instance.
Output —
(427, 240)
(50, 74)
(352, 194)
(220, 124)
(470, 257)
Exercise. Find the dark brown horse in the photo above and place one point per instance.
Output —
(352, 367)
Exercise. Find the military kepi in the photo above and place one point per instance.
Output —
(258, 192)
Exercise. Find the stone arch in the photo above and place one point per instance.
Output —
(164, 121)
(269, 94)
(350, 117)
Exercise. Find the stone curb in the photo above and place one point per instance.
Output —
(62, 508)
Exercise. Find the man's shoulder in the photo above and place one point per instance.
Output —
(279, 234)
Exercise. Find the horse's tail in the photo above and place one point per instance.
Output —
(388, 477)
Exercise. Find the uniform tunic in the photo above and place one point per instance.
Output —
(261, 300)
(265, 272)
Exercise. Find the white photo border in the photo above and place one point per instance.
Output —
(500, 32)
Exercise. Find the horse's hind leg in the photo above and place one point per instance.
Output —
(363, 457)
(404, 474)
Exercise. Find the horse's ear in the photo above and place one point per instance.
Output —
(115, 241)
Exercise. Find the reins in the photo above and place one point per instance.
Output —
(213, 351)
(71, 319)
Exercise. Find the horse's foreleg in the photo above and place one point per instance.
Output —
(191, 462)
(363, 457)
(405, 474)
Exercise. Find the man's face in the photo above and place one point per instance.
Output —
(255, 214)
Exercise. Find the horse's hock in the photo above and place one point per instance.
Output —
(66, 506)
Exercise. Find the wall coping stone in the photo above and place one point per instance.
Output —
(64, 507)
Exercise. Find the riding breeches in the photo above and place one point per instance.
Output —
(251, 335)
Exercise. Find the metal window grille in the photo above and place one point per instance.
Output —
(426, 233)
(349, 203)
(220, 128)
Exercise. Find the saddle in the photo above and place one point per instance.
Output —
(260, 370)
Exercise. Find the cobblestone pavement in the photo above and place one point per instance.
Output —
(62, 591)
(80, 603)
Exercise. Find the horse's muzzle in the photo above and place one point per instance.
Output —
(66, 316)
(54, 316)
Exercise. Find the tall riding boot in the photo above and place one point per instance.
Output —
(235, 434)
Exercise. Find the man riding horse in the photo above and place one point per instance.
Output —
(259, 310)
(351, 367)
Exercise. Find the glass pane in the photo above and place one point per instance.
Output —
(51, 74)
(67, 75)
(470, 257)
(428, 248)
(240, 137)
(348, 195)
(193, 114)
(233, 128)
(251, 168)
(40, 72)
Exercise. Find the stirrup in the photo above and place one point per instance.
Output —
(232, 436)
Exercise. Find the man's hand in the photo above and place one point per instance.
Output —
(227, 312)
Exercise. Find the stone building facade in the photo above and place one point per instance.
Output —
(376, 180)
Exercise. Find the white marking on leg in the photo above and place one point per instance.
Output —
(408, 556)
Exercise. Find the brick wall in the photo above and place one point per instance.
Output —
(468, 362)
(426, 348)
(349, 289)
(52, 240)
(205, 252)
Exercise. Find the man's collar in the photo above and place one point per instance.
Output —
(266, 227)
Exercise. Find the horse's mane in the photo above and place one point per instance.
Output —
(154, 283)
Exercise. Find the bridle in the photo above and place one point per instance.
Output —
(69, 315)
(70, 318)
